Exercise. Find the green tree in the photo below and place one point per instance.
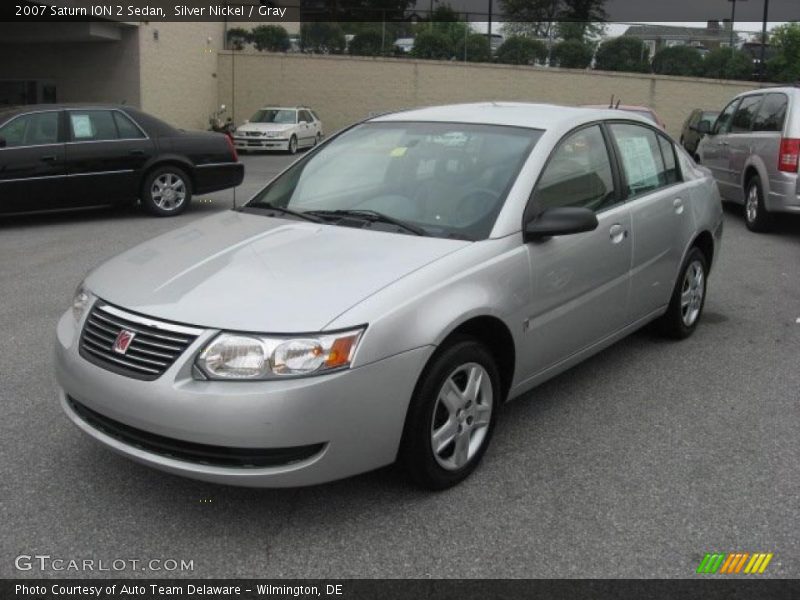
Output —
(433, 45)
(519, 50)
(366, 43)
(322, 38)
(724, 63)
(567, 19)
(571, 54)
(237, 38)
(785, 65)
(678, 60)
(623, 54)
(270, 38)
(477, 48)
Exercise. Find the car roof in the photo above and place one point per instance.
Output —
(284, 108)
(519, 114)
(790, 90)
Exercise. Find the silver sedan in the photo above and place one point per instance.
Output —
(383, 297)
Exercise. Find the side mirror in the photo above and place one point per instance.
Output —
(703, 127)
(2, 142)
(564, 220)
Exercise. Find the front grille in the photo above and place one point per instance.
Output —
(206, 454)
(155, 347)
(254, 134)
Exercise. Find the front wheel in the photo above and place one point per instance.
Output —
(688, 298)
(451, 416)
(756, 216)
(293, 145)
(166, 191)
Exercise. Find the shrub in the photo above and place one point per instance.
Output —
(678, 60)
(477, 48)
(519, 50)
(724, 63)
(623, 54)
(432, 45)
(272, 38)
(571, 54)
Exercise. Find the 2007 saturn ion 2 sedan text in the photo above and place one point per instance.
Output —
(382, 297)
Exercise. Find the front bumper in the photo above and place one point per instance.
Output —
(349, 422)
(260, 143)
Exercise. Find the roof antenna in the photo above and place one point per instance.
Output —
(611, 102)
(618, 101)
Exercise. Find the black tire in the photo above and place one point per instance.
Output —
(673, 324)
(163, 207)
(317, 139)
(756, 217)
(293, 145)
(455, 360)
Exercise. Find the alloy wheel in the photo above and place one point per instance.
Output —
(751, 204)
(461, 416)
(168, 191)
(692, 292)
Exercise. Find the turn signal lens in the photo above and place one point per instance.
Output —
(80, 302)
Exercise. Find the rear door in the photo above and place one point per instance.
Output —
(661, 219)
(581, 281)
(32, 162)
(104, 155)
(714, 151)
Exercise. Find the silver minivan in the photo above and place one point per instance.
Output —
(753, 150)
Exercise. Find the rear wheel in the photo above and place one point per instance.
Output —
(756, 216)
(451, 416)
(688, 298)
(166, 191)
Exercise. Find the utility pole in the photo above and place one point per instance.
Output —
(762, 67)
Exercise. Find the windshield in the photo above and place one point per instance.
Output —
(275, 115)
(445, 179)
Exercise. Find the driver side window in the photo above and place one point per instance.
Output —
(578, 174)
(723, 122)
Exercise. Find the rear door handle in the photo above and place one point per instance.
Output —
(617, 233)
(137, 152)
(49, 158)
(678, 205)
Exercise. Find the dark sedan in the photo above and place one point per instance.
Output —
(690, 134)
(60, 157)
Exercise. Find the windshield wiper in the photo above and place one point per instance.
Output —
(285, 211)
(373, 216)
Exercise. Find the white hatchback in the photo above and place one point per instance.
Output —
(279, 128)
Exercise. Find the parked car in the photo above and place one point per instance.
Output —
(690, 134)
(387, 306)
(279, 128)
(58, 157)
(644, 111)
(753, 151)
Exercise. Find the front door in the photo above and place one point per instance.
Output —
(580, 282)
(32, 163)
(716, 152)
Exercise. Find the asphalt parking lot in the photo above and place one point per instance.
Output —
(634, 464)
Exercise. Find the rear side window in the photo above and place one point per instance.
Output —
(126, 128)
(743, 119)
(92, 125)
(772, 113)
(671, 172)
(578, 174)
(31, 130)
(642, 158)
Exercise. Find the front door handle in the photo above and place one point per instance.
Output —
(136, 152)
(617, 233)
(677, 204)
(49, 158)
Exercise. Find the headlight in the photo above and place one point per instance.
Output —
(80, 302)
(241, 356)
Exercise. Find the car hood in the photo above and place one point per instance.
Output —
(263, 127)
(248, 272)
